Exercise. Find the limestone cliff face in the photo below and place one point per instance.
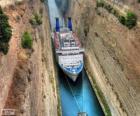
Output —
(112, 53)
(27, 77)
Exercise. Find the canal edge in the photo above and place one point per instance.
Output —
(59, 109)
(98, 92)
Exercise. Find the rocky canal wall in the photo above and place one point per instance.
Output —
(111, 56)
(28, 78)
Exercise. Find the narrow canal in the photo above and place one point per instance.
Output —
(79, 96)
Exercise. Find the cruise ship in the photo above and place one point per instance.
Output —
(68, 50)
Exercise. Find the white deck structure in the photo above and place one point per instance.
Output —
(69, 52)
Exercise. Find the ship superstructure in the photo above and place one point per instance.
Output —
(69, 51)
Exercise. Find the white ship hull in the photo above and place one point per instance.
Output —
(72, 76)
(68, 50)
(73, 73)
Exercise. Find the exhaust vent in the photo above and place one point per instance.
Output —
(70, 24)
(57, 28)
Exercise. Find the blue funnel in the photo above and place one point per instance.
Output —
(70, 24)
(57, 28)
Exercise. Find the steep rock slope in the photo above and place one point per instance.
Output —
(28, 76)
(112, 53)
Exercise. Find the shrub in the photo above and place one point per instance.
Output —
(42, 0)
(109, 8)
(5, 32)
(27, 41)
(116, 14)
(4, 47)
(138, 1)
(18, 2)
(100, 3)
(131, 20)
(36, 19)
(32, 21)
(122, 19)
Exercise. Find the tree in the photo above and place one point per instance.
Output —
(5, 32)
(27, 41)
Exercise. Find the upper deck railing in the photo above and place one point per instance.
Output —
(70, 51)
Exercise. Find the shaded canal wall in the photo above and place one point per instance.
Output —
(109, 57)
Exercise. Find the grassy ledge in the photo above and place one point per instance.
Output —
(129, 20)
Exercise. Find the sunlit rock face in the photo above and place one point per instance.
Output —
(15, 88)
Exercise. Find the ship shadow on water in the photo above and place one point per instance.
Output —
(64, 79)
(70, 94)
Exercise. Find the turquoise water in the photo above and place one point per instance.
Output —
(78, 97)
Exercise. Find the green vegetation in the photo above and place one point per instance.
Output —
(122, 20)
(103, 100)
(101, 97)
(18, 2)
(36, 20)
(27, 41)
(130, 20)
(42, 0)
(138, 1)
(5, 32)
(100, 3)
(4, 47)
(108, 7)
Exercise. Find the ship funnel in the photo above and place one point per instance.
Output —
(70, 24)
(57, 27)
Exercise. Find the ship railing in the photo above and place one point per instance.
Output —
(70, 51)
(69, 65)
(69, 48)
(73, 64)
(74, 60)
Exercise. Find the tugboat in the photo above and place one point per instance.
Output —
(68, 50)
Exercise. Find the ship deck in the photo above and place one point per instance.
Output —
(66, 40)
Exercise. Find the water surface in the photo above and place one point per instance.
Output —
(78, 97)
